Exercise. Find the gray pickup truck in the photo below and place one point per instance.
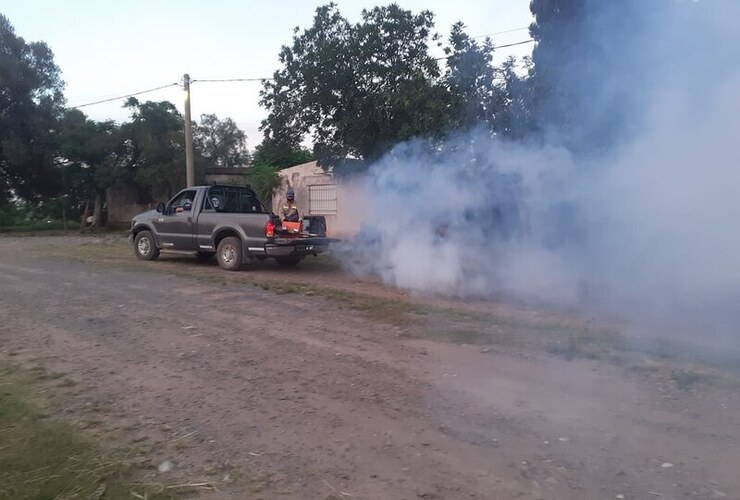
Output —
(226, 221)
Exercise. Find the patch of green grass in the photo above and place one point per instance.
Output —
(121, 255)
(323, 262)
(42, 458)
(563, 337)
(41, 227)
(45, 458)
(381, 309)
(646, 365)
(453, 335)
(444, 324)
(686, 379)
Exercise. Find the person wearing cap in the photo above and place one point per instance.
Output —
(290, 209)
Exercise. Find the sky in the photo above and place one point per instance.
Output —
(106, 48)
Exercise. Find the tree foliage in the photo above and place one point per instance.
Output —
(265, 180)
(90, 154)
(478, 88)
(556, 30)
(269, 158)
(154, 142)
(589, 68)
(31, 103)
(280, 155)
(357, 89)
(220, 143)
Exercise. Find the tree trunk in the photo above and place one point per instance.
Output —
(84, 217)
(98, 210)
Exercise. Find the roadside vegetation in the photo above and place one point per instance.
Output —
(490, 326)
(44, 455)
(20, 218)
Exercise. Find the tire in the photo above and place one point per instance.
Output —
(204, 256)
(144, 246)
(229, 253)
(287, 261)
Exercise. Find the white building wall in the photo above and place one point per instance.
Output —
(349, 207)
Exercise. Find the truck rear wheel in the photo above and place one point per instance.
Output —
(145, 247)
(229, 253)
(288, 261)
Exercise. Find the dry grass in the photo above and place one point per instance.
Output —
(439, 323)
(569, 338)
(121, 255)
(687, 378)
(44, 458)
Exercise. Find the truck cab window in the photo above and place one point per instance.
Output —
(183, 202)
(216, 199)
(234, 200)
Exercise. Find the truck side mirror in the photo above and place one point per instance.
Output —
(160, 207)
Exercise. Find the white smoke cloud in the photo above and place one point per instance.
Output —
(650, 228)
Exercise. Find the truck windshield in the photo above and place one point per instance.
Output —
(234, 200)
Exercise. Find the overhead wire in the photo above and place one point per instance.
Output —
(133, 94)
(500, 32)
(531, 40)
(210, 80)
(221, 80)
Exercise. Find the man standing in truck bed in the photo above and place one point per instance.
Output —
(290, 209)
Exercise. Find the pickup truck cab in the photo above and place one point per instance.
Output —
(228, 222)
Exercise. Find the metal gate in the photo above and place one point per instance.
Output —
(322, 199)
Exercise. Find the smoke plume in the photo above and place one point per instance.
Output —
(634, 207)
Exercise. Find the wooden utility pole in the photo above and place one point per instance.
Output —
(189, 164)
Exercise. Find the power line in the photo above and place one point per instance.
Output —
(531, 40)
(210, 80)
(219, 80)
(125, 96)
(501, 32)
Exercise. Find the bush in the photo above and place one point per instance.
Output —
(21, 218)
(265, 181)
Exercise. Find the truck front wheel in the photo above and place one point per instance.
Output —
(229, 253)
(145, 247)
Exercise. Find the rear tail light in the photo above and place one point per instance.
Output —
(269, 229)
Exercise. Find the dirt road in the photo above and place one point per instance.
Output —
(298, 396)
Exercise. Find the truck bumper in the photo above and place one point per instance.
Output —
(297, 250)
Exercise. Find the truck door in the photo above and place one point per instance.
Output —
(176, 226)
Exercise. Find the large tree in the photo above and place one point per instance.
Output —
(477, 86)
(31, 103)
(268, 159)
(590, 67)
(558, 59)
(155, 149)
(357, 89)
(221, 143)
(280, 155)
(92, 155)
